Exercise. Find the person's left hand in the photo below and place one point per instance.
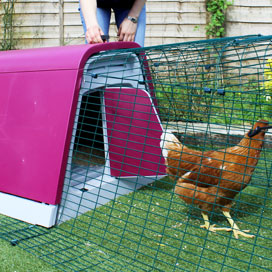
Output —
(127, 31)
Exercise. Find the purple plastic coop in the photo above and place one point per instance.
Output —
(39, 99)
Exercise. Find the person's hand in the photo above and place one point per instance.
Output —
(93, 34)
(127, 31)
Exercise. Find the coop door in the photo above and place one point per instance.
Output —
(133, 133)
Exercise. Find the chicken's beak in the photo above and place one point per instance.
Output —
(266, 128)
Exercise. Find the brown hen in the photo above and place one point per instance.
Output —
(213, 178)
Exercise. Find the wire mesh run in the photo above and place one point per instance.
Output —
(121, 210)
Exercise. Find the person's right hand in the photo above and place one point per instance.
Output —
(93, 34)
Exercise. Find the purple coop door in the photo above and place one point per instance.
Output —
(133, 132)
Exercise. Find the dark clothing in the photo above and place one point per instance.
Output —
(125, 4)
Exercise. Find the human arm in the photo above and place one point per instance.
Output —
(127, 29)
(94, 32)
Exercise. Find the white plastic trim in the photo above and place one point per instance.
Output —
(28, 210)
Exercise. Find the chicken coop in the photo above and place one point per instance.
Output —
(84, 130)
(87, 182)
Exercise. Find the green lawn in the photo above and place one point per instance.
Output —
(16, 259)
(148, 230)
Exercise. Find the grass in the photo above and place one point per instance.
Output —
(16, 259)
(169, 230)
(148, 230)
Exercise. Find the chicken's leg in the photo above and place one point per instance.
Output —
(235, 228)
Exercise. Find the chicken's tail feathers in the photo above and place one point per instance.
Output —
(168, 142)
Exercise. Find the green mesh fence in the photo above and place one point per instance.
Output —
(120, 211)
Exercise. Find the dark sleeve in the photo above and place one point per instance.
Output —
(127, 4)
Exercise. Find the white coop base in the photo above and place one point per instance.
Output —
(30, 211)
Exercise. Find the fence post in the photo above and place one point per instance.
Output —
(61, 22)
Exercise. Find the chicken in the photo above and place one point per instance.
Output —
(212, 179)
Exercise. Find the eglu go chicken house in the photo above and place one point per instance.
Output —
(56, 103)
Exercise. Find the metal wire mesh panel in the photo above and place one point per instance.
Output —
(166, 139)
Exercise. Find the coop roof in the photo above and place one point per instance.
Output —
(54, 58)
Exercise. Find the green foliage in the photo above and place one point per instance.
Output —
(268, 79)
(217, 10)
(239, 105)
(268, 86)
(8, 41)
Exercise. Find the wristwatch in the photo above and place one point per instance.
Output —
(133, 19)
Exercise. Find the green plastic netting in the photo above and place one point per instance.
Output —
(115, 215)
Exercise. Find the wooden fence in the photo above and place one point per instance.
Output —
(249, 17)
(41, 23)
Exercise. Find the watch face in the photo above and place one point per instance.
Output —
(132, 19)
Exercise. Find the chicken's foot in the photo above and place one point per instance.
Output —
(235, 228)
(207, 225)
